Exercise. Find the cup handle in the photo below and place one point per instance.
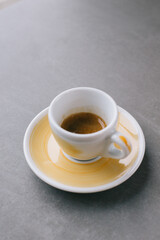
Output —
(121, 151)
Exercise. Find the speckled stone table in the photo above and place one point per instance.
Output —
(52, 45)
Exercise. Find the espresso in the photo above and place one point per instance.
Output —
(83, 123)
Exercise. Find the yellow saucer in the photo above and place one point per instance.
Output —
(48, 161)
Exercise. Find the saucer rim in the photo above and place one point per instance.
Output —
(67, 188)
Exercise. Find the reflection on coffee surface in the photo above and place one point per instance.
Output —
(83, 123)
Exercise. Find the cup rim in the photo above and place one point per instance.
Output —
(87, 136)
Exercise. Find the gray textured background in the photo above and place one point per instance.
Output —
(47, 47)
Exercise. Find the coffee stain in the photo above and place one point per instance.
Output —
(125, 141)
(123, 121)
(51, 161)
(7, 3)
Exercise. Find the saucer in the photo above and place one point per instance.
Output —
(49, 163)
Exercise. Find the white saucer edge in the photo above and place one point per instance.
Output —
(64, 187)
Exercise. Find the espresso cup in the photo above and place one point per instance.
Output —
(107, 142)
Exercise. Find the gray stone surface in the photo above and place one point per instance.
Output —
(47, 47)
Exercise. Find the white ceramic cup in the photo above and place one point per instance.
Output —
(87, 147)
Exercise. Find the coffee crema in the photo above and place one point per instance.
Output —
(83, 123)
